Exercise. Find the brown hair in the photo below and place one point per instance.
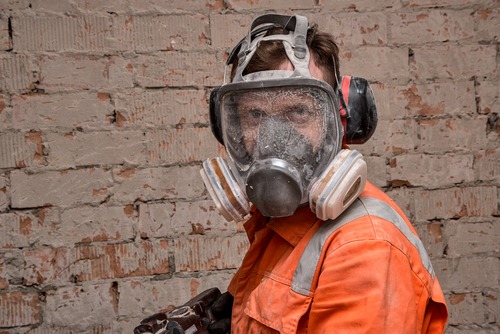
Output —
(271, 54)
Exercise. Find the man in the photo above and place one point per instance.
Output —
(360, 266)
(329, 253)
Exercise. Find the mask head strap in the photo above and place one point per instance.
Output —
(295, 43)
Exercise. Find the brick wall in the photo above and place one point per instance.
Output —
(103, 126)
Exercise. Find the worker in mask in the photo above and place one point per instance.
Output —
(329, 252)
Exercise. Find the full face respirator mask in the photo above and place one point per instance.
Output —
(283, 132)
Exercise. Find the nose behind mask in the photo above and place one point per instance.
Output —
(275, 182)
(336, 188)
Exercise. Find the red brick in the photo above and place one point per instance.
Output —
(202, 254)
(84, 263)
(19, 309)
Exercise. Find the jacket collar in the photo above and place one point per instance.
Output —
(292, 228)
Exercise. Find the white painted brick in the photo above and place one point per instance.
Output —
(359, 5)
(64, 188)
(154, 296)
(487, 165)
(234, 26)
(5, 43)
(91, 224)
(95, 148)
(453, 134)
(277, 5)
(378, 63)
(478, 237)
(354, 29)
(180, 69)
(454, 61)
(180, 145)
(165, 32)
(432, 99)
(4, 199)
(456, 203)
(20, 149)
(170, 220)
(161, 107)
(199, 254)
(56, 33)
(489, 96)
(17, 72)
(432, 171)
(80, 110)
(81, 72)
(467, 273)
(392, 137)
(421, 27)
(92, 304)
(488, 23)
(19, 309)
(156, 184)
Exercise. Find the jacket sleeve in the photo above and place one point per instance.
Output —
(368, 286)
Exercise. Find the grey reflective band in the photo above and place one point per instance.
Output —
(367, 206)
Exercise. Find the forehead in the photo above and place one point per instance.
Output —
(275, 98)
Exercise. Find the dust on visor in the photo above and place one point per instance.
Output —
(280, 134)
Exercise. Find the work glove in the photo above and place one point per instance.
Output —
(207, 313)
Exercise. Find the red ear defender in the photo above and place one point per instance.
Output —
(358, 110)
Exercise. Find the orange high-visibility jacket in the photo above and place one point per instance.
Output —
(364, 272)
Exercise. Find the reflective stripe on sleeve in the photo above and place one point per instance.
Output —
(308, 263)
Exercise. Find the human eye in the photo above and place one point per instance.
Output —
(252, 116)
(299, 114)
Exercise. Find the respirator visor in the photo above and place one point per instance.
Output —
(293, 125)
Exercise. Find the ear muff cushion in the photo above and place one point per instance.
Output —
(215, 118)
(362, 116)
